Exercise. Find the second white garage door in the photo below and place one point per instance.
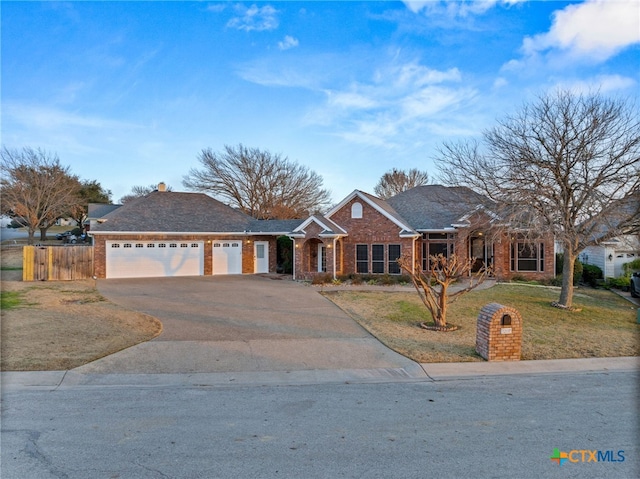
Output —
(227, 257)
(130, 259)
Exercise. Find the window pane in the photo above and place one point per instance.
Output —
(394, 254)
(362, 258)
(438, 248)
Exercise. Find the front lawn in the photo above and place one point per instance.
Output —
(605, 327)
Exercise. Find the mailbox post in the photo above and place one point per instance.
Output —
(499, 333)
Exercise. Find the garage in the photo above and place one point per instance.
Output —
(131, 259)
(227, 257)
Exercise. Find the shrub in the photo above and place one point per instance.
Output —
(559, 263)
(591, 274)
(622, 282)
(556, 280)
(323, 278)
(578, 268)
(630, 267)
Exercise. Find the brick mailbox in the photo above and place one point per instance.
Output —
(499, 333)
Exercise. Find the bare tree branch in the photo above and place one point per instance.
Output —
(433, 285)
(569, 162)
(37, 189)
(396, 181)
(261, 184)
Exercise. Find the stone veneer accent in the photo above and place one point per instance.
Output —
(496, 341)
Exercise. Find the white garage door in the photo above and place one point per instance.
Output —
(129, 259)
(227, 257)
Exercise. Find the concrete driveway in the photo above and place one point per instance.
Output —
(243, 324)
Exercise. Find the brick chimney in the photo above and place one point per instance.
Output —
(162, 186)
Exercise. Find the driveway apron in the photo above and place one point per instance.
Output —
(242, 324)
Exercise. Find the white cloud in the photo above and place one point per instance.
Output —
(254, 18)
(216, 8)
(500, 82)
(288, 42)
(398, 101)
(597, 29)
(456, 8)
(51, 119)
(602, 83)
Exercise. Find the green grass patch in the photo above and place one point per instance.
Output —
(10, 299)
(605, 326)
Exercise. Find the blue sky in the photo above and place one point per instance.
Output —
(129, 93)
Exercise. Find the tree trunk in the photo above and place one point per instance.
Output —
(43, 234)
(441, 319)
(566, 293)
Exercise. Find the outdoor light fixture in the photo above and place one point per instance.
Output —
(610, 257)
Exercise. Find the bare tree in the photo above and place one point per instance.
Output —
(568, 164)
(37, 189)
(433, 285)
(396, 181)
(261, 184)
(140, 191)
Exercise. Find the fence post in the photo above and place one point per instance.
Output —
(27, 263)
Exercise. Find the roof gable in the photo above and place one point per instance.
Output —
(329, 228)
(379, 205)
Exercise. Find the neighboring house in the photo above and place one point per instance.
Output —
(66, 222)
(610, 255)
(96, 212)
(364, 234)
(183, 234)
(176, 234)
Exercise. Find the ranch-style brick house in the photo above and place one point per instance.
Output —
(191, 234)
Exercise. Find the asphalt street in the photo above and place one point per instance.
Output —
(483, 427)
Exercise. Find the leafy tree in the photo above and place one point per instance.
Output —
(568, 163)
(259, 183)
(396, 181)
(140, 191)
(433, 285)
(90, 192)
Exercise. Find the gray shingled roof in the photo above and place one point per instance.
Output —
(167, 211)
(99, 210)
(435, 207)
(274, 226)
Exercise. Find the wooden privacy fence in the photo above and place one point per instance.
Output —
(57, 263)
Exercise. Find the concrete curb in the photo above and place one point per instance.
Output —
(445, 371)
(432, 372)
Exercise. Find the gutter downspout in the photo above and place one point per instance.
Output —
(334, 258)
(294, 258)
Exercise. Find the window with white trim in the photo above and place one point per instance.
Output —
(377, 258)
(527, 256)
(394, 252)
(362, 258)
(356, 210)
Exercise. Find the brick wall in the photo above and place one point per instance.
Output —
(372, 228)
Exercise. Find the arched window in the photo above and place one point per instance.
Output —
(356, 210)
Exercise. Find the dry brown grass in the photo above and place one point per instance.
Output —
(62, 325)
(605, 327)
